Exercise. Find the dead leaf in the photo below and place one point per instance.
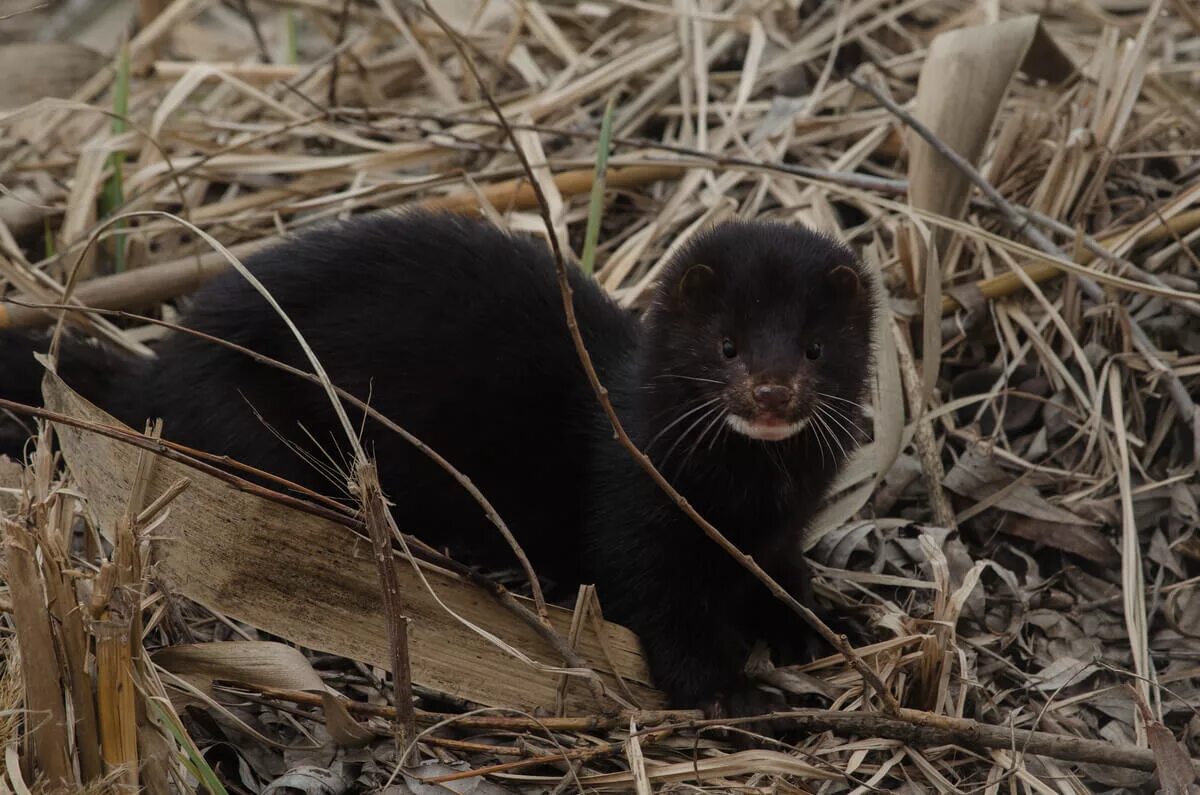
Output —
(963, 80)
(1062, 672)
(1076, 539)
(978, 476)
(262, 664)
(309, 781)
(1175, 770)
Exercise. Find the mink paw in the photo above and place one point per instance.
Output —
(745, 700)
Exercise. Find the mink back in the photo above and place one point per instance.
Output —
(448, 326)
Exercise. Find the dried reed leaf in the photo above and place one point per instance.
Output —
(1132, 580)
(313, 582)
(963, 80)
(261, 664)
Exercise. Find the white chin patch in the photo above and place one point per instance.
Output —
(763, 432)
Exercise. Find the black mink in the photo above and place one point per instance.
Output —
(743, 383)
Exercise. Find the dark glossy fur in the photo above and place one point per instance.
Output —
(455, 330)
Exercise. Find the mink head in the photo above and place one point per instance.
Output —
(761, 327)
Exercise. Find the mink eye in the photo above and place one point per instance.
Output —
(813, 351)
(728, 348)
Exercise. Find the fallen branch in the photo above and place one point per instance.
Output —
(927, 730)
(584, 723)
(914, 727)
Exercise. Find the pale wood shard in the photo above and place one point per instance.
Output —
(313, 582)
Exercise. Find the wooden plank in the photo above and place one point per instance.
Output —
(313, 582)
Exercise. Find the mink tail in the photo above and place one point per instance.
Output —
(90, 368)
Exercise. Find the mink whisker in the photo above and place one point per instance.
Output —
(700, 438)
(819, 436)
(684, 435)
(854, 403)
(828, 437)
(821, 410)
(839, 419)
(690, 378)
(678, 420)
(722, 427)
(841, 414)
(673, 409)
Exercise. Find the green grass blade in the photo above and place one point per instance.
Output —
(596, 204)
(292, 56)
(192, 758)
(114, 190)
(48, 230)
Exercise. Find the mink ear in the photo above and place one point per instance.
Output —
(695, 284)
(845, 281)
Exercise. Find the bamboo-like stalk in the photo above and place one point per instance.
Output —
(46, 722)
(115, 694)
(65, 608)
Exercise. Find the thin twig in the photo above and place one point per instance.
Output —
(924, 438)
(375, 510)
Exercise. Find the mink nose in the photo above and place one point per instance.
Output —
(772, 397)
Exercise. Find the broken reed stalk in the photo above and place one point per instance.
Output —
(929, 730)
(45, 712)
(167, 280)
(115, 696)
(183, 455)
(1188, 411)
(64, 607)
(870, 679)
(374, 509)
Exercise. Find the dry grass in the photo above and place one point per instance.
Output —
(1021, 533)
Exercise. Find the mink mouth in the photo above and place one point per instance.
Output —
(766, 429)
